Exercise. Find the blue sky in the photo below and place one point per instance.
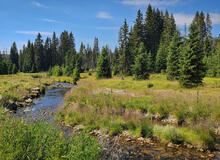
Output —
(21, 20)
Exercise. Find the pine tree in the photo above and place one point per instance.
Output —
(82, 57)
(38, 52)
(161, 59)
(103, 66)
(54, 50)
(115, 62)
(95, 53)
(72, 45)
(125, 58)
(173, 59)
(140, 67)
(47, 57)
(88, 55)
(169, 28)
(70, 61)
(14, 55)
(212, 63)
(217, 61)
(192, 69)
(65, 45)
(136, 36)
(150, 62)
(14, 69)
(28, 61)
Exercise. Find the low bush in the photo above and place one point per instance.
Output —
(146, 129)
(55, 71)
(150, 85)
(115, 129)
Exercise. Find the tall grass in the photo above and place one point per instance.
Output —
(41, 141)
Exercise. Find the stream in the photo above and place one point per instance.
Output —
(44, 108)
(115, 148)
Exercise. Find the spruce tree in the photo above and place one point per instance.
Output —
(54, 50)
(169, 28)
(161, 59)
(38, 52)
(103, 66)
(47, 57)
(115, 63)
(192, 69)
(95, 53)
(150, 62)
(136, 36)
(82, 57)
(140, 67)
(76, 74)
(88, 55)
(28, 62)
(14, 55)
(173, 59)
(65, 45)
(125, 57)
(217, 61)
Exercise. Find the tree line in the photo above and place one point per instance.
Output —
(40, 56)
(152, 45)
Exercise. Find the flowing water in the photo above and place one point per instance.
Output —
(45, 107)
(117, 148)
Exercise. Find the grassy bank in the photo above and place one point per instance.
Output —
(116, 106)
(24, 141)
(14, 87)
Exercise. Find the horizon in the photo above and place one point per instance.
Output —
(99, 19)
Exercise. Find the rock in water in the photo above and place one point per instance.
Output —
(29, 101)
(36, 89)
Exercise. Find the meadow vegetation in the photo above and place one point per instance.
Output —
(15, 87)
(40, 140)
(144, 108)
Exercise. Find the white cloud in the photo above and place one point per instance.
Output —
(182, 19)
(34, 33)
(104, 15)
(37, 4)
(152, 2)
(50, 20)
(215, 18)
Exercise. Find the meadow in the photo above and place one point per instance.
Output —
(38, 140)
(154, 108)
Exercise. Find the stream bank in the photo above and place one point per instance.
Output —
(119, 147)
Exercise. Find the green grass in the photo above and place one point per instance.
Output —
(40, 140)
(116, 106)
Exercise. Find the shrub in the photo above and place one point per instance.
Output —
(150, 85)
(146, 129)
(115, 129)
(90, 72)
(76, 74)
(168, 134)
(55, 71)
(131, 125)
